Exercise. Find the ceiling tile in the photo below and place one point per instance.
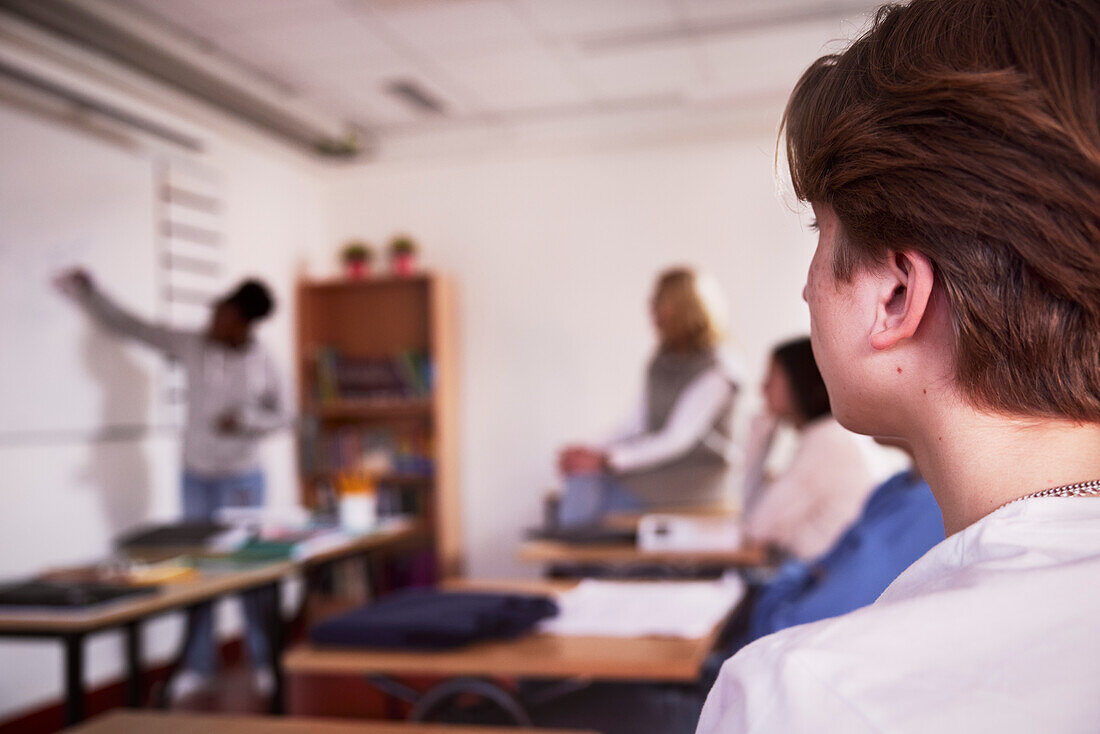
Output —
(576, 18)
(735, 65)
(457, 28)
(640, 72)
(190, 15)
(518, 80)
(202, 16)
(732, 10)
(255, 13)
(306, 40)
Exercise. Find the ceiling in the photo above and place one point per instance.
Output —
(511, 62)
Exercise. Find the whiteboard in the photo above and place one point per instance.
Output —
(69, 198)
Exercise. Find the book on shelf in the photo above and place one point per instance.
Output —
(407, 374)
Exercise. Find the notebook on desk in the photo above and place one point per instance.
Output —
(172, 535)
(56, 595)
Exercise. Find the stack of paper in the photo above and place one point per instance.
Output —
(687, 609)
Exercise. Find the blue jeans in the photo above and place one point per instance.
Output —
(589, 498)
(202, 497)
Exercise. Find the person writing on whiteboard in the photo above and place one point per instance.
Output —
(951, 155)
(676, 451)
(804, 510)
(234, 398)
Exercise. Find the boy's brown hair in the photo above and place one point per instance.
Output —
(969, 131)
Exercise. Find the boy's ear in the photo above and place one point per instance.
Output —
(905, 286)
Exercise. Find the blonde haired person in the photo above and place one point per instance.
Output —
(675, 451)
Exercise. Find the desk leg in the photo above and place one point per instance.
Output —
(312, 581)
(162, 698)
(134, 671)
(74, 679)
(436, 699)
(274, 614)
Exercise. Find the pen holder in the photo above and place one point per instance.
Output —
(358, 512)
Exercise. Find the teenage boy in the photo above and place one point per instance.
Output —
(233, 400)
(952, 157)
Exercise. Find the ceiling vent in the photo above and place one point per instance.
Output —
(416, 97)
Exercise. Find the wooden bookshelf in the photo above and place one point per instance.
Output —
(383, 318)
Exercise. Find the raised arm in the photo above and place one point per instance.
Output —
(81, 288)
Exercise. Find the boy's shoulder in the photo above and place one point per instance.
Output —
(902, 663)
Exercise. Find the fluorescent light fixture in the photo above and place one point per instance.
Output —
(95, 27)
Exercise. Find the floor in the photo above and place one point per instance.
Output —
(232, 694)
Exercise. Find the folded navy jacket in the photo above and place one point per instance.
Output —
(429, 619)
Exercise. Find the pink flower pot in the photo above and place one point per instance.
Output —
(403, 264)
(357, 269)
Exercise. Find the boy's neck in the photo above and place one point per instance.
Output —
(976, 462)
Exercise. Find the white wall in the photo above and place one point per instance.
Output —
(554, 258)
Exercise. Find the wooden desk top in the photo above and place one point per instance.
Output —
(139, 722)
(534, 655)
(552, 551)
(209, 585)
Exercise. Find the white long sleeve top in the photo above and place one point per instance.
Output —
(220, 380)
(691, 421)
(992, 630)
(807, 508)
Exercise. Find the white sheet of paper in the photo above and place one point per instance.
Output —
(684, 609)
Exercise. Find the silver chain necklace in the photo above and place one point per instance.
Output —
(1080, 489)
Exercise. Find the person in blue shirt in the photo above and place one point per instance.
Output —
(899, 523)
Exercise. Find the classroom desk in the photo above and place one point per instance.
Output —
(135, 722)
(628, 554)
(72, 627)
(533, 656)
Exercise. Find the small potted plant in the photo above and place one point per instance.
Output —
(402, 255)
(356, 257)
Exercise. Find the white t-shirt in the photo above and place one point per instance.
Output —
(996, 629)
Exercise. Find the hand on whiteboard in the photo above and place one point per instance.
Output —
(75, 283)
(229, 423)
